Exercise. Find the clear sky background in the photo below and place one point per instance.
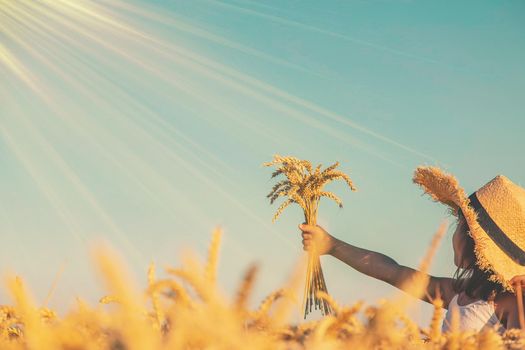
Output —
(146, 124)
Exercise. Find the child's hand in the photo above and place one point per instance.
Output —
(316, 236)
(518, 281)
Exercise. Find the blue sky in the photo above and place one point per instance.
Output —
(146, 124)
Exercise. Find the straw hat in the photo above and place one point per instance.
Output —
(495, 215)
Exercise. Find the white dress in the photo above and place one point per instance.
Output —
(475, 316)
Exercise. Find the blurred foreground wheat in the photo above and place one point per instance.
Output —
(188, 311)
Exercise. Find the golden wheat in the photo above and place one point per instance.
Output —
(245, 288)
(213, 256)
(437, 319)
(154, 296)
(197, 316)
(304, 186)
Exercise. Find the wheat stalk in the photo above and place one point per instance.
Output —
(154, 296)
(213, 256)
(245, 288)
(188, 323)
(437, 318)
(304, 186)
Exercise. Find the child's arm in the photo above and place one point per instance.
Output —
(509, 303)
(373, 264)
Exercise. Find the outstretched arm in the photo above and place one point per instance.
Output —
(373, 264)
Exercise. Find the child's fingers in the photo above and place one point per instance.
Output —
(306, 245)
(518, 282)
(307, 236)
(307, 228)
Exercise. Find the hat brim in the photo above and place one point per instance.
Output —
(444, 188)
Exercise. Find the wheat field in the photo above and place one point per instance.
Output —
(188, 311)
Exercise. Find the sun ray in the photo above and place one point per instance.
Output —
(312, 28)
(221, 73)
(76, 39)
(142, 109)
(8, 60)
(73, 177)
(183, 85)
(47, 190)
(179, 160)
(183, 25)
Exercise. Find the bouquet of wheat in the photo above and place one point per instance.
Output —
(304, 185)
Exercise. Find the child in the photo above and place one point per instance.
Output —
(488, 243)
